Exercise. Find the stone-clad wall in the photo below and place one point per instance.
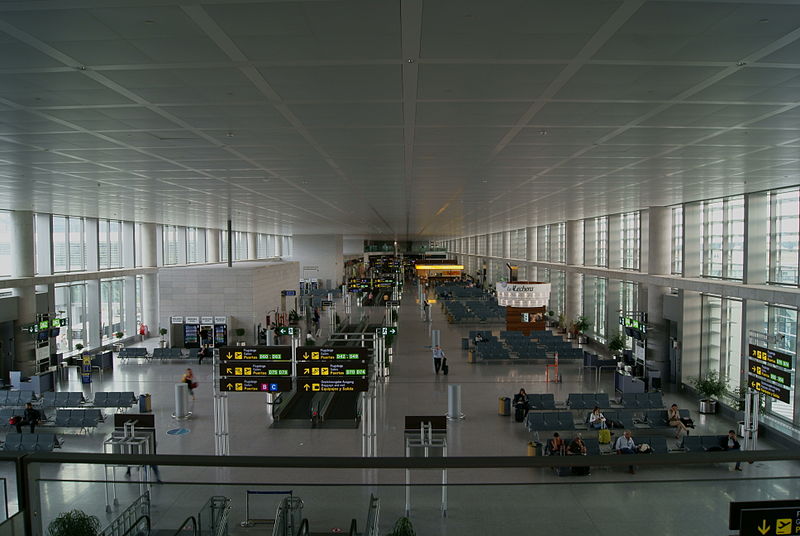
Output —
(244, 293)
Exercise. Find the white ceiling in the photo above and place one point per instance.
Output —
(394, 119)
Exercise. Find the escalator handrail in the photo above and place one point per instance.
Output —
(184, 525)
(353, 528)
(303, 530)
(135, 525)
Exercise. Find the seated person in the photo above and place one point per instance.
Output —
(556, 445)
(674, 420)
(521, 400)
(577, 446)
(626, 445)
(597, 420)
(729, 442)
(478, 338)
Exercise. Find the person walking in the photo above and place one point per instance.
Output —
(316, 322)
(188, 379)
(438, 357)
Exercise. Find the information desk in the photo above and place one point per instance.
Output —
(625, 383)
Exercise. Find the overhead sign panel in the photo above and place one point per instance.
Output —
(338, 385)
(775, 374)
(770, 357)
(769, 522)
(255, 353)
(244, 384)
(770, 389)
(254, 368)
(333, 368)
(386, 330)
(319, 353)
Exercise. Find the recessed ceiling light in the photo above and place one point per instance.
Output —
(149, 21)
(741, 63)
(543, 132)
(763, 21)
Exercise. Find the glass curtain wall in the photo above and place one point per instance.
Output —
(601, 241)
(5, 244)
(112, 308)
(71, 301)
(193, 236)
(109, 243)
(69, 244)
(677, 240)
(782, 324)
(630, 240)
(723, 238)
(170, 244)
(558, 242)
(783, 237)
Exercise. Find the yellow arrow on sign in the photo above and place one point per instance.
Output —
(229, 355)
(229, 385)
(764, 528)
(306, 387)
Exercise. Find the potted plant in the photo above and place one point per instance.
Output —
(74, 523)
(79, 347)
(616, 344)
(562, 323)
(163, 332)
(239, 332)
(119, 334)
(294, 317)
(403, 527)
(710, 386)
(580, 326)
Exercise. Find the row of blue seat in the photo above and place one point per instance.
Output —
(62, 399)
(16, 398)
(30, 442)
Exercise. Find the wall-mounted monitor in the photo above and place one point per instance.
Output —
(55, 332)
(43, 336)
(44, 325)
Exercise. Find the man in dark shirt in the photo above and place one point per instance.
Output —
(729, 442)
(30, 417)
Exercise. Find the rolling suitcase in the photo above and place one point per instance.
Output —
(445, 368)
(604, 436)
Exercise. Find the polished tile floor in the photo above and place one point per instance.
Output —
(654, 501)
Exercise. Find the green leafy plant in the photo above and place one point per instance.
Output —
(294, 317)
(163, 331)
(79, 347)
(403, 527)
(710, 386)
(562, 322)
(74, 523)
(616, 344)
(310, 342)
(119, 334)
(239, 332)
(581, 324)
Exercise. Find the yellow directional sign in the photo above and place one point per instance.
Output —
(783, 526)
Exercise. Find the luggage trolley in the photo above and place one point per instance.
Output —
(284, 514)
(126, 441)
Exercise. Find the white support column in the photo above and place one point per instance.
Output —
(22, 265)
(574, 257)
(93, 313)
(659, 230)
(129, 326)
(92, 249)
(252, 246)
(213, 243)
(150, 281)
(756, 217)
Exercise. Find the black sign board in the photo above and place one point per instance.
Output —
(331, 368)
(288, 330)
(769, 521)
(770, 357)
(249, 384)
(333, 385)
(264, 369)
(327, 303)
(775, 374)
(318, 353)
(735, 511)
(255, 353)
(770, 389)
(386, 330)
(393, 303)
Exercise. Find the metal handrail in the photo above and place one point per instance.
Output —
(135, 526)
(303, 530)
(353, 528)
(184, 526)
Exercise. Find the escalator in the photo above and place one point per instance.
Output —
(296, 412)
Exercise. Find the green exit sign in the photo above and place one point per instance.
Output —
(286, 330)
(386, 330)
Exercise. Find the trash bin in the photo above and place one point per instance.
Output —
(465, 343)
(504, 407)
(534, 448)
(145, 403)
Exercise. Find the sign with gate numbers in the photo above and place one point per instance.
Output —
(770, 357)
(249, 384)
(320, 353)
(255, 353)
(769, 372)
(332, 369)
(326, 303)
(267, 369)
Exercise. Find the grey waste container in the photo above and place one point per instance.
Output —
(145, 403)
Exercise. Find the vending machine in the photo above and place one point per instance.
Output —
(191, 332)
(220, 331)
